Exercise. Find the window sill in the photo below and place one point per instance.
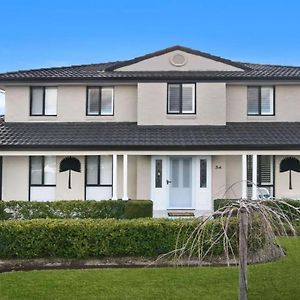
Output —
(183, 116)
(42, 118)
(262, 118)
(99, 118)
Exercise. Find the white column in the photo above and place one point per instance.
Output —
(115, 177)
(244, 176)
(254, 177)
(125, 176)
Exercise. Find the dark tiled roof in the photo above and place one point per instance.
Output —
(130, 136)
(106, 71)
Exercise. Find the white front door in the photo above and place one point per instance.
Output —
(180, 182)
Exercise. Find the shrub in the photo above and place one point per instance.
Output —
(75, 209)
(42, 238)
(138, 208)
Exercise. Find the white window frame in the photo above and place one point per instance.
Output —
(100, 113)
(45, 108)
(181, 111)
(272, 103)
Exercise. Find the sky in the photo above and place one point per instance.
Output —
(40, 33)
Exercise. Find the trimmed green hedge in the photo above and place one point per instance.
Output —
(103, 238)
(75, 209)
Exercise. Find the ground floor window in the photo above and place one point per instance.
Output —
(98, 177)
(42, 170)
(99, 170)
(265, 172)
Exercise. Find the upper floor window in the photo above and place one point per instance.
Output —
(181, 98)
(43, 101)
(100, 101)
(261, 100)
(42, 170)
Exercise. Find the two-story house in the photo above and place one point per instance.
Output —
(178, 126)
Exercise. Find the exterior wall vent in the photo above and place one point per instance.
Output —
(178, 60)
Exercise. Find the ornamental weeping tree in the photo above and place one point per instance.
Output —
(260, 222)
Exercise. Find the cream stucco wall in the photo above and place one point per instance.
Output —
(143, 188)
(210, 105)
(194, 63)
(287, 104)
(15, 178)
(282, 182)
(71, 105)
(77, 182)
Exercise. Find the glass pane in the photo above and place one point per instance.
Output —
(253, 99)
(106, 169)
(175, 172)
(92, 169)
(50, 100)
(188, 98)
(186, 173)
(36, 170)
(107, 101)
(267, 101)
(203, 173)
(266, 174)
(158, 173)
(37, 94)
(174, 98)
(50, 170)
(93, 101)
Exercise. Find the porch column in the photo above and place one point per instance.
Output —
(125, 176)
(244, 176)
(115, 178)
(254, 177)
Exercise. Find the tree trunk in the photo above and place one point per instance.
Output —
(243, 247)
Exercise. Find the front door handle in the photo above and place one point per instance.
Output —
(169, 181)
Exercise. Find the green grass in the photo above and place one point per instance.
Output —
(277, 280)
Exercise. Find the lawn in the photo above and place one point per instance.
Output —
(277, 280)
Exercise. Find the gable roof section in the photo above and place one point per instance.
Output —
(107, 71)
(130, 136)
(174, 48)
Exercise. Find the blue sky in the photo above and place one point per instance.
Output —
(44, 33)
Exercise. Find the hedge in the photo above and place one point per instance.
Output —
(14, 210)
(49, 238)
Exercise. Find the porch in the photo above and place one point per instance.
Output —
(176, 181)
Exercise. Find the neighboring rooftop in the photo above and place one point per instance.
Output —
(108, 71)
(130, 136)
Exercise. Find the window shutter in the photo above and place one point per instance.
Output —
(50, 101)
(266, 168)
(253, 100)
(174, 98)
(92, 169)
(106, 169)
(106, 101)
(267, 100)
(37, 95)
(188, 98)
(93, 101)
(50, 170)
(249, 169)
(36, 170)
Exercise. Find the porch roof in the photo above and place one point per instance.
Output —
(130, 136)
